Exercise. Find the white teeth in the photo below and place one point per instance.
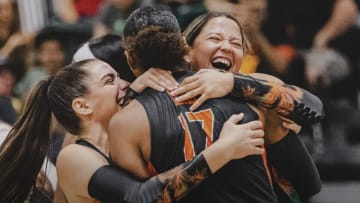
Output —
(222, 60)
(221, 63)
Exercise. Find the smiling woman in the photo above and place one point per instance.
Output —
(217, 40)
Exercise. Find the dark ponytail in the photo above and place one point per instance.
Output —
(23, 151)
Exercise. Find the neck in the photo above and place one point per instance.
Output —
(96, 134)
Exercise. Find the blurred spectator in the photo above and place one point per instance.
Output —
(304, 26)
(286, 33)
(77, 11)
(49, 58)
(13, 43)
(112, 15)
(185, 10)
(7, 80)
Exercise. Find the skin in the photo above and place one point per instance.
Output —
(51, 56)
(220, 39)
(96, 108)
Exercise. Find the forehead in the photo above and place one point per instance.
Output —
(221, 24)
(98, 69)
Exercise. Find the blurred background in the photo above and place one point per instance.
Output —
(314, 44)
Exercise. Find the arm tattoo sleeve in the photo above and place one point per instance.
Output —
(181, 180)
(289, 101)
(112, 184)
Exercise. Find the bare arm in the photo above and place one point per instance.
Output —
(343, 16)
(66, 11)
(129, 138)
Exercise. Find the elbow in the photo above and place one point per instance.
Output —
(310, 186)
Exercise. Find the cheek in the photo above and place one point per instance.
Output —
(201, 55)
(238, 55)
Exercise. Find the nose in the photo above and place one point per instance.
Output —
(123, 84)
(226, 46)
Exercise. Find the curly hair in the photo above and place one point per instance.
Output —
(155, 47)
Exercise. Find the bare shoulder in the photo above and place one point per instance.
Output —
(129, 138)
(75, 166)
(127, 121)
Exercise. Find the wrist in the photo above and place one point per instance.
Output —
(136, 86)
(130, 94)
(229, 81)
(217, 155)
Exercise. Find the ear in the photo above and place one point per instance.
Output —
(130, 60)
(187, 56)
(82, 107)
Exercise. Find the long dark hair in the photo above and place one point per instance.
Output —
(23, 151)
(193, 30)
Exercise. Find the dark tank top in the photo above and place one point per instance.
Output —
(177, 135)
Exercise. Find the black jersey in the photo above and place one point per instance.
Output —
(177, 135)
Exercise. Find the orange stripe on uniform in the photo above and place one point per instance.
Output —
(266, 165)
(151, 169)
(189, 151)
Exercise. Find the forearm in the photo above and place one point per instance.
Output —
(277, 60)
(289, 101)
(292, 161)
(343, 16)
(111, 184)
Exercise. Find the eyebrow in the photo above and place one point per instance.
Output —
(109, 74)
(216, 33)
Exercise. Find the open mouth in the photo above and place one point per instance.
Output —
(119, 97)
(221, 63)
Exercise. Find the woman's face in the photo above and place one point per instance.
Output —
(51, 56)
(218, 45)
(105, 90)
(6, 13)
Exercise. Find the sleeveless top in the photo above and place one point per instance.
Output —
(178, 134)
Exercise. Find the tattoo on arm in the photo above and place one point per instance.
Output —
(289, 101)
(182, 179)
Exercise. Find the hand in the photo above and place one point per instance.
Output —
(242, 139)
(156, 79)
(321, 40)
(208, 83)
(291, 125)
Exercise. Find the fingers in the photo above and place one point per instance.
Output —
(155, 78)
(236, 118)
(292, 126)
(189, 79)
(258, 150)
(187, 85)
(257, 133)
(184, 91)
(198, 102)
(254, 125)
(189, 95)
(257, 141)
(165, 77)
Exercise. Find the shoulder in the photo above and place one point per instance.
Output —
(133, 111)
(75, 166)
